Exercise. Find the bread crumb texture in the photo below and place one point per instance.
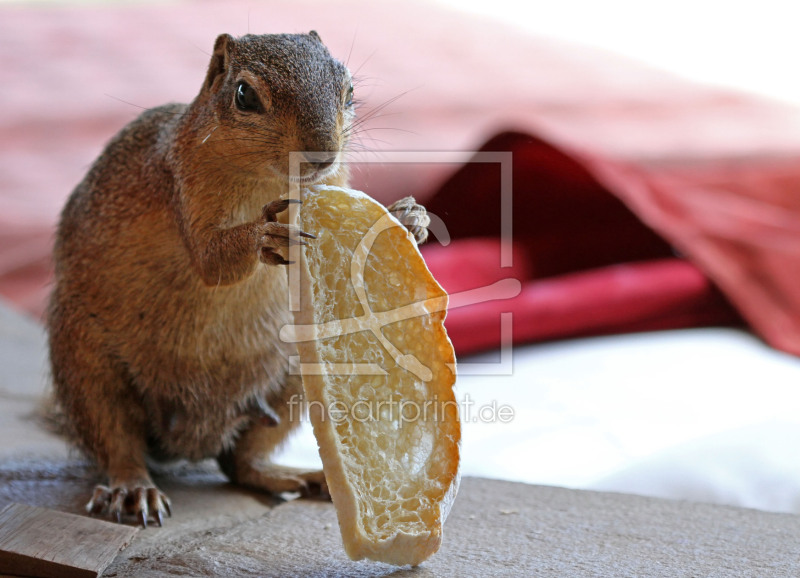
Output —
(385, 415)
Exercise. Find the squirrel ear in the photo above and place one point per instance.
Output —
(219, 60)
(313, 34)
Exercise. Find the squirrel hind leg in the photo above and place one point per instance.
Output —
(248, 462)
(108, 424)
(274, 478)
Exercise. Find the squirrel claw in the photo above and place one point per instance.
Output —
(413, 216)
(312, 489)
(276, 235)
(140, 501)
(271, 210)
(100, 500)
(118, 498)
(165, 501)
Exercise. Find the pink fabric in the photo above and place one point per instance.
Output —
(741, 226)
(586, 264)
(713, 172)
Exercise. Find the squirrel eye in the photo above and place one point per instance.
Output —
(246, 98)
(349, 99)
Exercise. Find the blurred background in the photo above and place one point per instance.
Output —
(655, 152)
(751, 46)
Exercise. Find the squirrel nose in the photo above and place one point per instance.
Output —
(322, 163)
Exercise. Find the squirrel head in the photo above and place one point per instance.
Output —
(267, 96)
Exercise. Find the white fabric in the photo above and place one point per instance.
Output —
(704, 414)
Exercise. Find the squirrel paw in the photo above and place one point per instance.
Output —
(141, 501)
(277, 479)
(275, 235)
(314, 485)
(309, 483)
(414, 217)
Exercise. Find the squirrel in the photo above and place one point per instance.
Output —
(169, 291)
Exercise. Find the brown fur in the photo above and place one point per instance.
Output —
(163, 321)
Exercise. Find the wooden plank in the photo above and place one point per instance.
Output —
(43, 543)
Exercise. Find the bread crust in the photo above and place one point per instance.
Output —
(419, 305)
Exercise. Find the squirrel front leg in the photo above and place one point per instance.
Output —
(225, 256)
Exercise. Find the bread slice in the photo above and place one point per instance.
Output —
(378, 372)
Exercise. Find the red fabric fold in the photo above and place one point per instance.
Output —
(655, 295)
(590, 265)
(567, 219)
(739, 225)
